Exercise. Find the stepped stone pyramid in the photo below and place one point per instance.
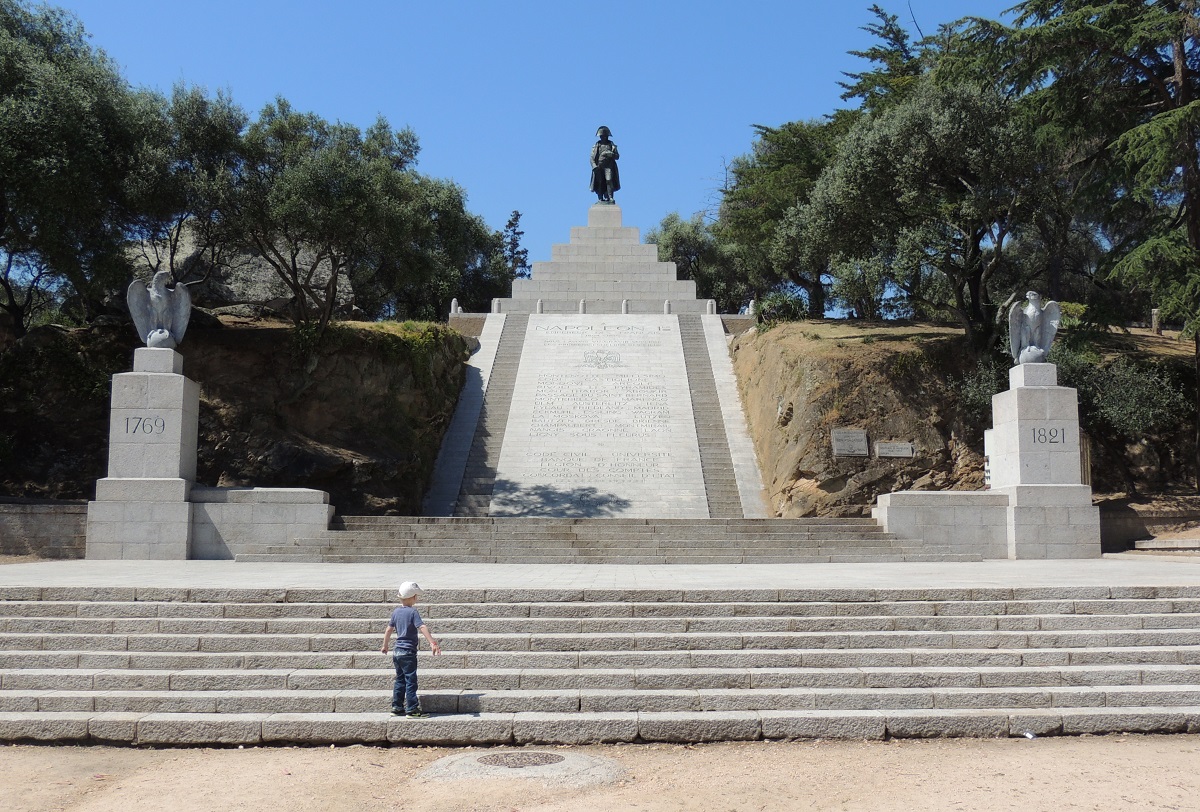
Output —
(605, 265)
(603, 389)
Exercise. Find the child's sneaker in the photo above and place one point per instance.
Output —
(397, 711)
(418, 714)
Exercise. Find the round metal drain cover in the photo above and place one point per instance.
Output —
(518, 760)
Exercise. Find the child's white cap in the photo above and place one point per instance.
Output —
(410, 589)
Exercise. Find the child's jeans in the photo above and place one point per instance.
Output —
(404, 690)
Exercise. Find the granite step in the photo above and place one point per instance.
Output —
(589, 700)
(879, 677)
(174, 729)
(350, 522)
(1140, 639)
(833, 552)
(587, 624)
(916, 607)
(617, 539)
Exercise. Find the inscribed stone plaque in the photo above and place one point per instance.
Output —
(601, 422)
(893, 449)
(849, 442)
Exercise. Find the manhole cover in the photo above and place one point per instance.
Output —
(518, 760)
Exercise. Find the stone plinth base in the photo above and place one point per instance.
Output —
(968, 522)
(157, 531)
(1022, 522)
(147, 506)
(1052, 521)
(227, 521)
(1036, 506)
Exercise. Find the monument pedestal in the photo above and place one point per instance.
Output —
(1036, 505)
(142, 508)
(1033, 458)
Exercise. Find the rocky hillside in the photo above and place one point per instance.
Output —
(800, 380)
(365, 424)
(905, 383)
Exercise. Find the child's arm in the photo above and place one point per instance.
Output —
(433, 644)
(387, 638)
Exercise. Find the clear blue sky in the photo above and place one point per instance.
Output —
(506, 97)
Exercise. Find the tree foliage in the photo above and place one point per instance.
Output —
(700, 256)
(930, 192)
(180, 187)
(71, 132)
(777, 175)
(100, 182)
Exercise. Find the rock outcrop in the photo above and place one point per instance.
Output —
(799, 381)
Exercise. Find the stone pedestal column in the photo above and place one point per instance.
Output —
(1033, 458)
(142, 508)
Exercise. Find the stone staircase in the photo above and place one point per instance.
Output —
(715, 460)
(163, 666)
(411, 539)
(479, 478)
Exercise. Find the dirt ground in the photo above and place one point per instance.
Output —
(1089, 773)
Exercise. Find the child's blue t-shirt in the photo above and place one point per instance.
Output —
(405, 620)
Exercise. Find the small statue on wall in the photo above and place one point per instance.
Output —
(1031, 329)
(160, 314)
(605, 178)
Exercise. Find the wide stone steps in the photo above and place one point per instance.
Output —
(383, 539)
(210, 666)
(468, 555)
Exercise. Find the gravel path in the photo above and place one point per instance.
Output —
(1107, 773)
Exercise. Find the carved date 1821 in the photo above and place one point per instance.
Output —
(1045, 435)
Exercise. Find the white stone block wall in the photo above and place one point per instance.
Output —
(966, 522)
(227, 521)
(139, 530)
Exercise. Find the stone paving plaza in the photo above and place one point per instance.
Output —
(1110, 571)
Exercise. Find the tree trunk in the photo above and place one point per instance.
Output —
(816, 299)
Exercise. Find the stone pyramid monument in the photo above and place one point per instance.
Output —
(602, 389)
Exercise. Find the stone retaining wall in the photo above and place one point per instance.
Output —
(56, 529)
(46, 529)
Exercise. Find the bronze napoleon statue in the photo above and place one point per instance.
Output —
(605, 178)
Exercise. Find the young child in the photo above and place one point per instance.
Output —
(405, 623)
